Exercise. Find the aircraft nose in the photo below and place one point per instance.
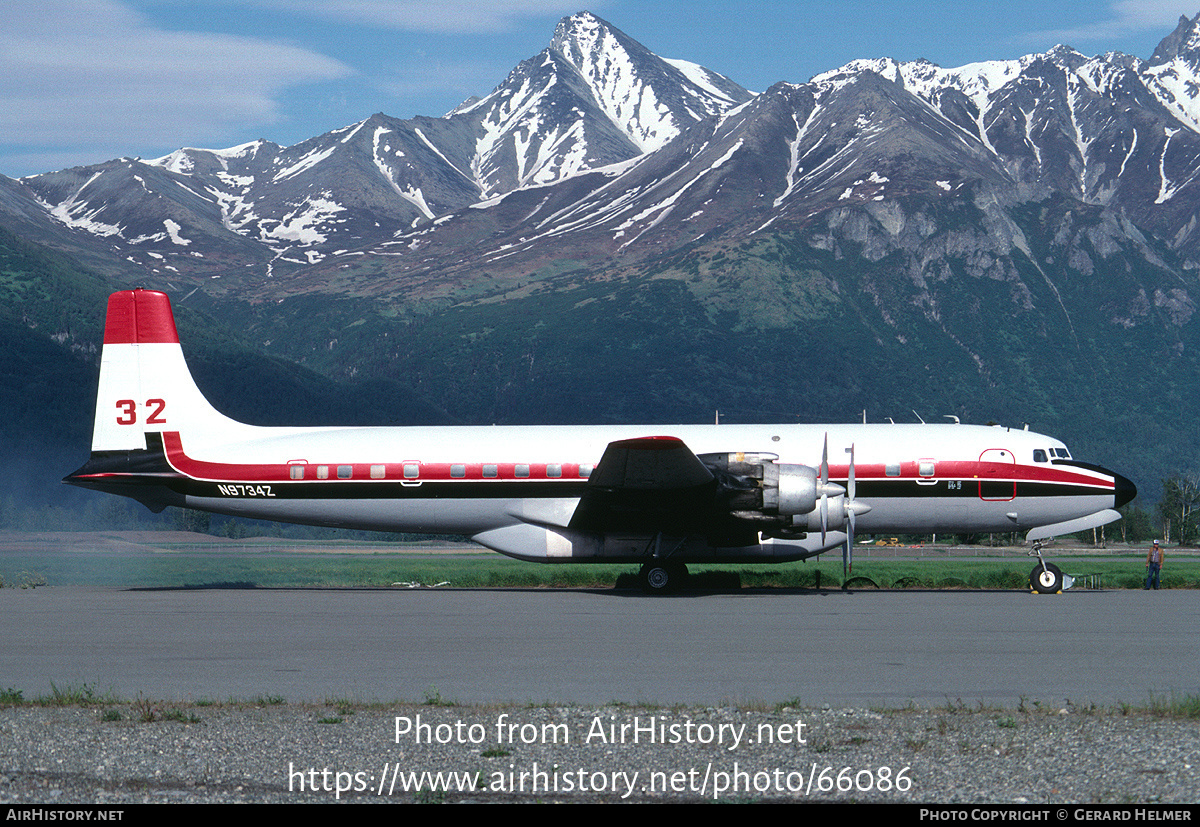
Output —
(1125, 490)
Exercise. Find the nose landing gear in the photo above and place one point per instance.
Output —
(1047, 578)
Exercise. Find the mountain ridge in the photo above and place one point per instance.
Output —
(352, 188)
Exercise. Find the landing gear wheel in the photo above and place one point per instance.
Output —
(1047, 579)
(661, 578)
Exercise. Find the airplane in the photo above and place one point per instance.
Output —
(659, 496)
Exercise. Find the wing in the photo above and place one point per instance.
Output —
(648, 485)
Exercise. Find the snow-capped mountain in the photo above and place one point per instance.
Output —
(593, 97)
(868, 154)
(602, 148)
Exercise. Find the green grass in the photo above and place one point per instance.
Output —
(112, 708)
(224, 565)
(1187, 706)
(71, 695)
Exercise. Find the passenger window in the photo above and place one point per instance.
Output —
(322, 472)
(892, 469)
(925, 468)
(411, 470)
(489, 470)
(296, 471)
(522, 471)
(1039, 455)
(585, 471)
(345, 472)
(458, 471)
(377, 472)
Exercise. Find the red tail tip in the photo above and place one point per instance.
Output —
(139, 317)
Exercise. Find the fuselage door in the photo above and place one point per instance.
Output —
(997, 470)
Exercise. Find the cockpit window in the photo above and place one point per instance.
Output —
(1039, 455)
(1062, 453)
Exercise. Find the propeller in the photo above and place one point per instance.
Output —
(827, 489)
(853, 509)
(823, 489)
(848, 557)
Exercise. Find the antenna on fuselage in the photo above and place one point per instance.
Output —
(951, 416)
(918, 416)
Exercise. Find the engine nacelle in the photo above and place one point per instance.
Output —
(789, 489)
(759, 489)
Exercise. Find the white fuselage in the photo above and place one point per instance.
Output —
(476, 480)
(711, 492)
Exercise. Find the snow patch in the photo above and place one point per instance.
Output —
(76, 213)
(306, 161)
(173, 231)
(301, 226)
(701, 77)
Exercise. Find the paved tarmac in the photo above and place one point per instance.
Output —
(864, 649)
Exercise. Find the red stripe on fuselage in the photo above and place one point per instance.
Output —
(966, 470)
(972, 470)
(360, 471)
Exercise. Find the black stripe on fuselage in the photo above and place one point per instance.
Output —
(991, 490)
(525, 489)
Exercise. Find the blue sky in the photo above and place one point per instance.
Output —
(83, 81)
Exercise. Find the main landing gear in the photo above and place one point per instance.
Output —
(1046, 578)
(662, 578)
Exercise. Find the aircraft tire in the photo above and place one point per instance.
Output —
(1046, 581)
(662, 578)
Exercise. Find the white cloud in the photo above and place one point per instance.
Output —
(95, 72)
(453, 16)
(1124, 17)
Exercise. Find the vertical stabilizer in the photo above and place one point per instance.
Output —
(145, 384)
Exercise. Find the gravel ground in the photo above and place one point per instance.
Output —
(109, 755)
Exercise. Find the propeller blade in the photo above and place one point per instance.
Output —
(825, 461)
(850, 514)
(845, 563)
(850, 542)
(824, 482)
(850, 481)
